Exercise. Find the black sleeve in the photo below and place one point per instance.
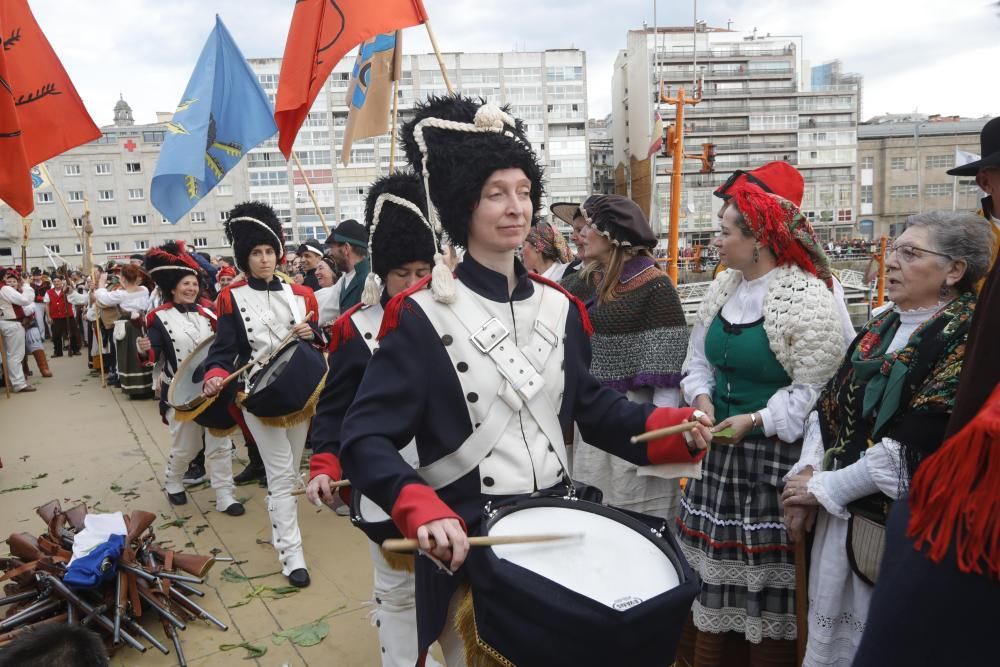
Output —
(158, 338)
(225, 352)
(346, 368)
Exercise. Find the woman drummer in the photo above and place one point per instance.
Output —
(402, 247)
(174, 329)
(425, 382)
(255, 315)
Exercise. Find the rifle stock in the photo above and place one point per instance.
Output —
(76, 516)
(137, 525)
(48, 510)
(24, 546)
(191, 563)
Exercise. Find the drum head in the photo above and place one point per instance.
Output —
(186, 385)
(611, 563)
(275, 367)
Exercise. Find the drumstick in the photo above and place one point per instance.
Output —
(401, 545)
(333, 485)
(239, 371)
(663, 432)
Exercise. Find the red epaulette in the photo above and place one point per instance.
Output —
(390, 320)
(343, 329)
(150, 317)
(224, 302)
(584, 315)
(310, 297)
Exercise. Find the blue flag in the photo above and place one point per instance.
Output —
(223, 114)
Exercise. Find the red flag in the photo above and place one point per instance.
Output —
(15, 176)
(40, 106)
(322, 32)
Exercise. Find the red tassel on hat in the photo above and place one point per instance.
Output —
(390, 320)
(343, 330)
(955, 495)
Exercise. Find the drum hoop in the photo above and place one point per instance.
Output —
(254, 382)
(182, 371)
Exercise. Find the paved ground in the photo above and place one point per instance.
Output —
(80, 442)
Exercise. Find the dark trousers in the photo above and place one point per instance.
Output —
(63, 327)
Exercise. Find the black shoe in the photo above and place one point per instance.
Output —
(236, 509)
(299, 578)
(195, 475)
(177, 498)
(252, 473)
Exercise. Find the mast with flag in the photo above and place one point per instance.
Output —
(370, 92)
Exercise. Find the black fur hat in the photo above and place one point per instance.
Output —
(168, 263)
(459, 160)
(251, 224)
(399, 236)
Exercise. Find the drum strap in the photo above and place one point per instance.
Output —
(521, 369)
(264, 353)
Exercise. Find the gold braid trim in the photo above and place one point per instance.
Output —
(477, 652)
(191, 415)
(223, 432)
(289, 420)
(399, 562)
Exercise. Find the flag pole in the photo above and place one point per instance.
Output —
(26, 233)
(62, 202)
(312, 195)
(437, 52)
(395, 119)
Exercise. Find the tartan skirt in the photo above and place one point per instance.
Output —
(732, 532)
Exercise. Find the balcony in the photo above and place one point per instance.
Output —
(673, 55)
(689, 73)
(718, 126)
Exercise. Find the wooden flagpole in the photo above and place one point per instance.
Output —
(312, 195)
(397, 70)
(437, 52)
(25, 234)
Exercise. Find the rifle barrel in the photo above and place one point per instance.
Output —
(29, 613)
(60, 589)
(199, 611)
(19, 597)
(162, 611)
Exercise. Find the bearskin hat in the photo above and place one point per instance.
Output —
(398, 236)
(168, 263)
(460, 142)
(251, 224)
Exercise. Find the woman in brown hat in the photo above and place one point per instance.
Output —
(638, 344)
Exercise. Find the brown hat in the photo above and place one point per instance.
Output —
(619, 219)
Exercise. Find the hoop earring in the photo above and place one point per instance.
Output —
(756, 255)
(945, 291)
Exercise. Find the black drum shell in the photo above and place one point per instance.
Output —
(293, 389)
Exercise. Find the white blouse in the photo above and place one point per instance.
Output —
(879, 468)
(787, 409)
(135, 303)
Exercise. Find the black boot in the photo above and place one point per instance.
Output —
(299, 578)
(254, 472)
(179, 498)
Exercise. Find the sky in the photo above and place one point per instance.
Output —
(914, 55)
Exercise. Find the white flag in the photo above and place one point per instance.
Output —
(964, 157)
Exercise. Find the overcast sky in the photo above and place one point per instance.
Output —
(935, 57)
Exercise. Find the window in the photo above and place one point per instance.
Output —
(133, 167)
(44, 197)
(106, 195)
(78, 249)
(111, 246)
(109, 221)
(868, 162)
(71, 170)
(134, 194)
(224, 190)
(197, 216)
(200, 242)
(138, 219)
(937, 189)
(78, 222)
(264, 178)
(902, 191)
(940, 161)
(75, 195)
(102, 168)
(53, 247)
(903, 163)
(48, 223)
(844, 215)
(867, 196)
(223, 216)
(140, 244)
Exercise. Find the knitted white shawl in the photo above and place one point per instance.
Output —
(800, 320)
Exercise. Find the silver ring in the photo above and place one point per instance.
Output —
(698, 414)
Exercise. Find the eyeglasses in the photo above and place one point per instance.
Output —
(909, 253)
(723, 190)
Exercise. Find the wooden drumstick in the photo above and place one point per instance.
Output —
(401, 545)
(663, 432)
(333, 485)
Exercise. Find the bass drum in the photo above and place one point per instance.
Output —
(184, 394)
(285, 390)
(618, 594)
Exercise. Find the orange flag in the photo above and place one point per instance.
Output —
(40, 108)
(322, 32)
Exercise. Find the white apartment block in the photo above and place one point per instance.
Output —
(112, 176)
(761, 102)
(546, 89)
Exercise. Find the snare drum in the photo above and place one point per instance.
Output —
(620, 594)
(285, 390)
(185, 397)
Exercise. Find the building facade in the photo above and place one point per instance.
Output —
(760, 102)
(602, 151)
(902, 161)
(546, 89)
(111, 176)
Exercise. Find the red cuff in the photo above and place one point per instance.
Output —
(326, 463)
(418, 504)
(214, 373)
(670, 448)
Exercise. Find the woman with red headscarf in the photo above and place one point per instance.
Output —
(766, 339)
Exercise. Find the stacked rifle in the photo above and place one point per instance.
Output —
(145, 580)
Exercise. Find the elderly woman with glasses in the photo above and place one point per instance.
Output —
(883, 413)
